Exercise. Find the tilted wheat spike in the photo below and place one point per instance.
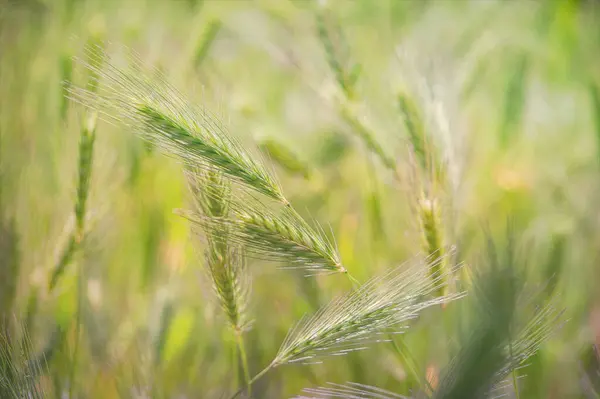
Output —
(350, 322)
(285, 236)
(158, 113)
(21, 370)
(488, 354)
(362, 317)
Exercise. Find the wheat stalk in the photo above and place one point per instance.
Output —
(159, 114)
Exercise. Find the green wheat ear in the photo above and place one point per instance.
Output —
(158, 113)
(348, 323)
(285, 157)
(224, 261)
(432, 239)
(86, 152)
(346, 75)
(352, 322)
(280, 236)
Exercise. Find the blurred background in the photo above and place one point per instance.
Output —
(507, 92)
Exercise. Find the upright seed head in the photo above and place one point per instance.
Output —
(432, 238)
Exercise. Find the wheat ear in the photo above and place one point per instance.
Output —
(20, 369)
(352, 322)
(285, 236)
(161, 115)
(432, 239)
(86, 151)
(225, 263)
(346, 75)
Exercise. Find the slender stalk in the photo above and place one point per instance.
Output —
(355, 282)
(408, 360)
(77, 333)
(255, 378)
(346, 75)
(244, 361)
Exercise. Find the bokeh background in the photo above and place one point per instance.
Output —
(509, 92)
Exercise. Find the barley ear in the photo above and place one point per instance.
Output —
(158, 113)
(336, 52)
(353, 321)
(206, 41)
(285, 157)
(284, 237)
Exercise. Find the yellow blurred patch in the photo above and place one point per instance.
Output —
(179, 334)
(512, 177)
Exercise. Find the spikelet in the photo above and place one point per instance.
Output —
(285, 157)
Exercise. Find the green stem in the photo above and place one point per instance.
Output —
(80, 280)
(255, 378)
(409, 361)
(355, 282)
(244, 361)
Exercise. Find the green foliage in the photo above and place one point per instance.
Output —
(104, 293)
